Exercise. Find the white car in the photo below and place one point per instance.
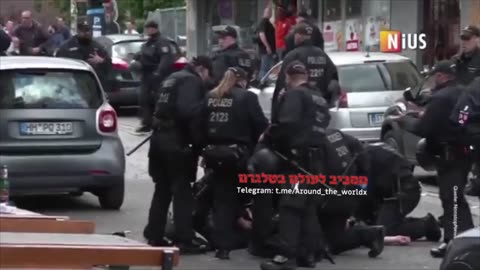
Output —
(370, 84)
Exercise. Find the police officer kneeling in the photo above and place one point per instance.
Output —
(320, 68)
(171, 153)
(298, 132)
(231, 122)
(445, 142)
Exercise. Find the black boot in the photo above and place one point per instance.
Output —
(473, 187)
(279, 263)
(439, 252)
(261, 251)
(192, 247)
(165, 242)
(307, 260)
(223, 254)
(432, 229)
(373, 238)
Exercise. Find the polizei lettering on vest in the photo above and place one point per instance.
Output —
(220, 102)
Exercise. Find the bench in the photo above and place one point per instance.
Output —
(25, 221)
(79, 251)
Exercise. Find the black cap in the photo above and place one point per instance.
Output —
(303, 29)
(470, 31)
(444, 66)
(83, 27)
(239, 72)
(203, 61)
(151, 24)
(296, 68)
(228, 31)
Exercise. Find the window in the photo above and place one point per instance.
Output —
(354, 8)
(361, 78)
(332, 10)
(126, 50)
(49, 89)
(272, 75)
(402, 75)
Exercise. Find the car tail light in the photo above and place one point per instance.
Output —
(119, 64)
(180, 63)
(343, 99)
(107, 119)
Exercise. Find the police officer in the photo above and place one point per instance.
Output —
(156, 59)
(444, 141)
(82, 47)
(230, 55)
(297, 133)
(320, 67)
(172, 160)
(468, 62)
(231, 122)
(346, 157)
(392, 193)
(317, 37)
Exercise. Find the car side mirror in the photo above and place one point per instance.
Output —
(426, 70)
(407, 95)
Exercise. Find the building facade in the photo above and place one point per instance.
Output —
(347, 25)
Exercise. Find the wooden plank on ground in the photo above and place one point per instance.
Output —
(27, 225)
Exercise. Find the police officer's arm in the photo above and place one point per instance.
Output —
(167, 59)
(318, 38)
(64, 50)
(288, 118)
(189, 98)
(4, 41)
(358, 149)
(259, 121)
(426, 126)
(198, 125)
(280, 84)
(220, 65)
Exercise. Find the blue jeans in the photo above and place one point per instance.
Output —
(266, 64)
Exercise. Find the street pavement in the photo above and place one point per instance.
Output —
(139, 190)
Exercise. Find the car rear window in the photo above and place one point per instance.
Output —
(361, 78)
(126, 50)
(49, 89)
(402, 75)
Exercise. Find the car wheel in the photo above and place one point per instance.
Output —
(393, 140)
(112, 198)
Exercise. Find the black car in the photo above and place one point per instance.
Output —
(125, 84)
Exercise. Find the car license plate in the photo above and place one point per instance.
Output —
(46, 128)
(375, 119)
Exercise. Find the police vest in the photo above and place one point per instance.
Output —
(340, 157)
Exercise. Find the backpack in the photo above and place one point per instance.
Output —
(467, 113)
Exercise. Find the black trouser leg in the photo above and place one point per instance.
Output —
(289, 231)
(311, 233)
(262, 212)
(339, 239)
(452, 177)
(225, 209)
(146, 102)
(183, 208)
(157, 217)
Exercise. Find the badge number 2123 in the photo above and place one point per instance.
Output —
(221, 117)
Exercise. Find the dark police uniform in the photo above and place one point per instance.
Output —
(321, 69)
(298, 133)
(232, 56)
(4, 42)
(346, 156)
(156, 59)
(231, 125)
(317, 37)
(468, 66)
(393, 192)
(172, 162)
(452, 162)
(76, 48)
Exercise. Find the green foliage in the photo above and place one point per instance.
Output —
(140, 8)
(37, 5)
(62, 5)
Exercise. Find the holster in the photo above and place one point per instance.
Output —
(225, 158)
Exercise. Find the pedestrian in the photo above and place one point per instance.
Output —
(172, 155)
(468, 61)
(156, 59)
(444, 140)
(230, 55)
(266, 42)
(283, 24)
(63, 28)
(131, 28)
(33, 38)
(9, 27)
(321, 69)
(5, 41)
(393, 192)
(317, 37)
(56, 40)
(298, 133)
(83, 47)
(231, 121)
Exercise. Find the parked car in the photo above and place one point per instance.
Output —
(58, 134)
(412, 100)
(126, 82)
(370, 84)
